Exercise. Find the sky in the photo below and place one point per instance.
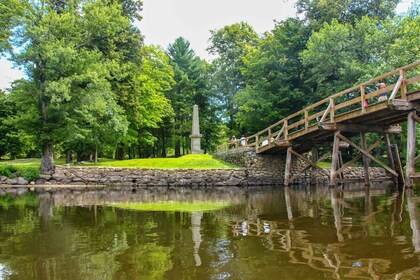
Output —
(165, 20)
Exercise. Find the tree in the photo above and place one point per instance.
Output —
(318, 12)
(10, 11)
(190, 88)
(274, 73)
(68, 71)
(230, 44)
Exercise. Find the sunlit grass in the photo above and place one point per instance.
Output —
(28, 162)
(175, 206)
(186, 162)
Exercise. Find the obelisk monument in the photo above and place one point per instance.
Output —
(195, 133)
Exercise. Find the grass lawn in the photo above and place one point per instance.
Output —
(187, 161)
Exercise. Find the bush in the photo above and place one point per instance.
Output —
(29, 173)
(7, 170)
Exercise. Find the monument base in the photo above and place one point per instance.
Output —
(197, 152)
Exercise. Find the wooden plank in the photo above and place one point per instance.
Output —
(306, 120)
(403, 85)
(332, 111)
(368, 155)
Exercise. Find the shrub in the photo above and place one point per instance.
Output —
(7, 170)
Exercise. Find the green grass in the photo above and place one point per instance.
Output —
(27, 167)
(172, 206)
(324, 164)
(187, 162)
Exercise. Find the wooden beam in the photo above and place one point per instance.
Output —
(334, 161)
(356, 158)
(287, 168)
(400, 105)
(390, 156)
(325, 156)
(365, 158)
(396, 88)
(307, 160)
(361, 128)
(367, 154)
(411, 149)
(324, 116)
(416, 118)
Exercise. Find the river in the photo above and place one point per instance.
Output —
(301, 232)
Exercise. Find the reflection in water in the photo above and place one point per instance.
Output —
(265, 233)
(414, 218)
(196, 235)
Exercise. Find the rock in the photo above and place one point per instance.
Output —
(21, 181)
(45, 176)
(3, 178)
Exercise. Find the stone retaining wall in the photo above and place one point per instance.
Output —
(255, 170)
(274, 166)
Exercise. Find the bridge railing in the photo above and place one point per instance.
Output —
(360, 97)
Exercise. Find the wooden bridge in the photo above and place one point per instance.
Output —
(352, 112)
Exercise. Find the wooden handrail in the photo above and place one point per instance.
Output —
(306, 117)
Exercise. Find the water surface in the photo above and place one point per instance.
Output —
(351, 232)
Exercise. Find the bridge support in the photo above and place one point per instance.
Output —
(410, 172)
(338, 166)
(287, 176)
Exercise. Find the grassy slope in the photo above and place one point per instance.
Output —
(188, 161)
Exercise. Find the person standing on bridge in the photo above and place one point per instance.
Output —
(383, 95)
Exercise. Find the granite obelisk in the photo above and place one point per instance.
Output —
(195, 133)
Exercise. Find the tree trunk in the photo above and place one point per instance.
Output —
(47, 161)
(177, 148)
(119, 153)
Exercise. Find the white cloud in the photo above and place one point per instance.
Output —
(165, 20)
(8, 74)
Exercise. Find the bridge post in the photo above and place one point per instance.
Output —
(411, 148)
(334, 162)
(366, 161)
(288, 164)
(314, 155)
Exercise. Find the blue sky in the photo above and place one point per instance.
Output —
(193, 20)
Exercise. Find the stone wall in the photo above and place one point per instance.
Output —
(273, 166)
(255, 170)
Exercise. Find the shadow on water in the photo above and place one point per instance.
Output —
(347, 232)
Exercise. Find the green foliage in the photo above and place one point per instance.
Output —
(318, 12)
(7, 170)
(274, 72)
(231, 43)
(29, 173)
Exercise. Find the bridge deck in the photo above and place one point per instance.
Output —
(307, 128)
(379, 115)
